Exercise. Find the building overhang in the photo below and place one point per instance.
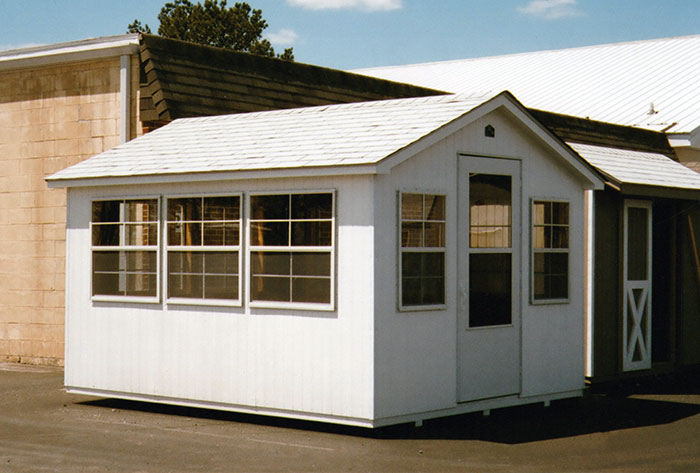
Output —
(85, 50)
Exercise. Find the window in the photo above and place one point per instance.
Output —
(550, 253)
(490, 250)
(125, 248)
(422, 267)
(291, 248)
(203, 248)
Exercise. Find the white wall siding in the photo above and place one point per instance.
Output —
(416, 351)
(317, 362)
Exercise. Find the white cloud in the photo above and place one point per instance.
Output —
(284, 37)
(551, 9)
(367, 5)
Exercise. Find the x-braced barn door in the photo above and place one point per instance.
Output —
(636, 315)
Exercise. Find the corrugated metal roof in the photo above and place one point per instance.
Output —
(640, 168)
(615, 83)
(333, 135)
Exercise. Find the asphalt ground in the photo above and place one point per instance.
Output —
(649, 426)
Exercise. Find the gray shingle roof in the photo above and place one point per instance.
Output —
(637, 167)
(332, 135)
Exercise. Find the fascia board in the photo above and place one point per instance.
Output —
(177, 178)
(659, 191)
(680, 140)
(571, 157)
(70, 52)
(505, 100)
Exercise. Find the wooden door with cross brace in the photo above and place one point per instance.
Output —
(636, 311)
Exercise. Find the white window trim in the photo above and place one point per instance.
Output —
(203, 249)
(249, 248)
(400, 250)
(136, 299)
(534, 250)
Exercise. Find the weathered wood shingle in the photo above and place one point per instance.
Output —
(190, 80)
(592, 132)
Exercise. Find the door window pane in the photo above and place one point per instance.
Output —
(490, 288)
(490, 208)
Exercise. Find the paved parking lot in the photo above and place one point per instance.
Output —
(650, 427)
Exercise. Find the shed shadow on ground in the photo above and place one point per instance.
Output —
(614, 407)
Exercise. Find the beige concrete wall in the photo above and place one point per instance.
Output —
(50, 118)
(688, 154)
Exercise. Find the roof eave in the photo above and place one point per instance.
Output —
(644, 190)
(211, 176)
(110, 46)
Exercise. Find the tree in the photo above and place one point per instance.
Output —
(239, 27)
(137, 27)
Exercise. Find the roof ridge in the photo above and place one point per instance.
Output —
(529, 53)
(350, 105)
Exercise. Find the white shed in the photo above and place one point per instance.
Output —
(364, 264)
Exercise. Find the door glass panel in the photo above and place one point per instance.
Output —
(637, 238)
(489, 289)
(490, 226)
(490, 211)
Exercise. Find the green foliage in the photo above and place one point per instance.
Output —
(137, 27)
(215, 24)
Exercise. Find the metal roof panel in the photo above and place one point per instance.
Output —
(651, 84)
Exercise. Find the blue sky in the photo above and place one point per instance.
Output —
(350, 34)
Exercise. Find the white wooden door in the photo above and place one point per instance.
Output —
(488, 325)
(636, 311)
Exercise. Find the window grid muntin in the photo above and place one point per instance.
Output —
(123, 250)
(421, 248)
(202, 248)
(548, 222)
(254, 249)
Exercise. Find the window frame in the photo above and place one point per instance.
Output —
(203, 249)
(534, 251)
(401, 250)
(331, 250)
(121, 247)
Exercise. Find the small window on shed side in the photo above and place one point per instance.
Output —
(422, 251)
